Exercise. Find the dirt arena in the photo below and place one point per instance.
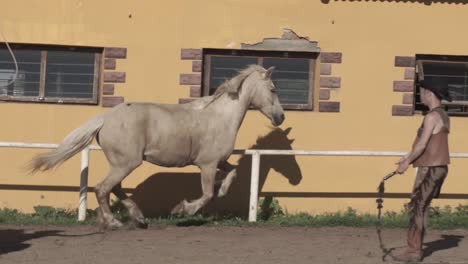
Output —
(205, 245)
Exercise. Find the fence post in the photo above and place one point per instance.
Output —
(254, 186)
(83, 184)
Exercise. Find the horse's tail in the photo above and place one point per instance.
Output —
(73, 143)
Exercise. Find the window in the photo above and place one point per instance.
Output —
(452, 70)
(50, 74)
(293, 76)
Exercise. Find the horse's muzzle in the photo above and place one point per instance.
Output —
(278, 119)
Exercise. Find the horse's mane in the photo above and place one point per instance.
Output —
(230, 86)
(235, 82)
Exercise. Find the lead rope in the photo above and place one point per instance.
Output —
(379, 200)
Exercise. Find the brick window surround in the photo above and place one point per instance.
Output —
(289, 41)
(414, 69)
(105, 75)
(112, 78)
(404, 86)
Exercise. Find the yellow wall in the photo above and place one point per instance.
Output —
(369, 35)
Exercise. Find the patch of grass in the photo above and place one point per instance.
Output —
(448, 218)
(269, 208)
(44, 215)
(270, 214)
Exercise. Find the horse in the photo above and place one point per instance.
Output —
(200, 133)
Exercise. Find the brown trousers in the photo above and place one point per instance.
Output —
(427, 186)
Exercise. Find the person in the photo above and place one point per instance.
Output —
(430, 155)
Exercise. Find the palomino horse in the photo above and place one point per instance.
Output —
(201, 133)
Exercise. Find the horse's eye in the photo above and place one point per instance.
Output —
(273, 91)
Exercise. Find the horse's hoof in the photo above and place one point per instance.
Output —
(113, 225)
(191, 211)
(138, 223)
(142, 225)
(179, 209)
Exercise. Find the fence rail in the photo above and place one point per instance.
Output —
(255, 153)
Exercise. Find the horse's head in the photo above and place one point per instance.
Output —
(255, 85)
(265, 98)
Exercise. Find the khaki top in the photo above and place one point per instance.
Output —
(437, 150)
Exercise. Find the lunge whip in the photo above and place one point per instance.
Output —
(379, 200)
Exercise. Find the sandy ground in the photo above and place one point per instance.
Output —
(199, 244)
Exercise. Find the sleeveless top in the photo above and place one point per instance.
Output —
(437, 151)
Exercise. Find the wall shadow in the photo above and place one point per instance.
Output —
(160, 192)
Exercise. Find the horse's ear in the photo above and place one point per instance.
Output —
(287, 130)
(267, 74)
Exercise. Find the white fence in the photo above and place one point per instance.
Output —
(83, 174)
(256, 157)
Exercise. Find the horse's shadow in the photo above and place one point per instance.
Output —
(12, 240)
(446, 242)
(159, 193)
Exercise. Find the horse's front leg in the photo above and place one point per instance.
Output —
(208, 174)
(227, 181)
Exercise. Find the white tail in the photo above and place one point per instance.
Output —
(73, 143)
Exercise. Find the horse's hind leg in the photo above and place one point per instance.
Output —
(135, 213)
(103, 189)
(208, 174)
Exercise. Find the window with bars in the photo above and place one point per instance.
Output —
(293, 75)
(51, 74)
(450, 70)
